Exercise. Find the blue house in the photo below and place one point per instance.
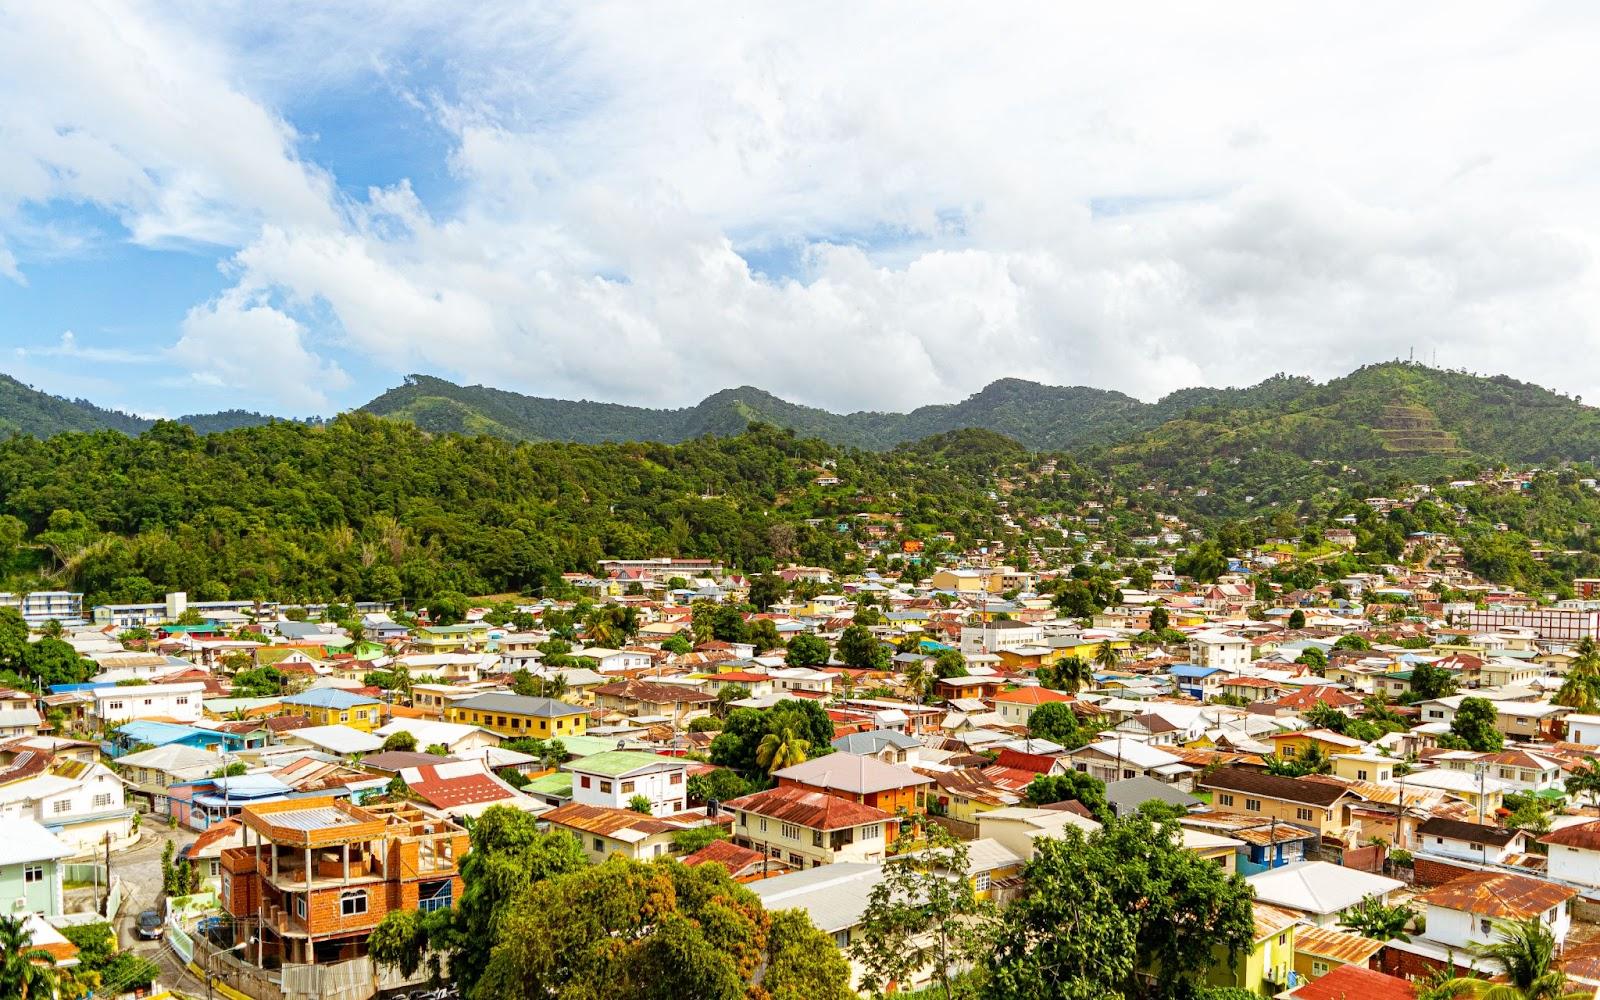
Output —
(1192, 680)
(146, 734)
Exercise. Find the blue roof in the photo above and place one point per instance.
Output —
(161, 733)
(251, 786)
(1192, 670)
(329, 698)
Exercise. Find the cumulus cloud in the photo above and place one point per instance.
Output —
(1138, 198)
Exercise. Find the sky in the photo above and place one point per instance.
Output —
(287, 207)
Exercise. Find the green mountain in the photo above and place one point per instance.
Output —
(26, 410)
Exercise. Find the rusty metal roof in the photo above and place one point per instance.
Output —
(1340, 946)
(1498, 894)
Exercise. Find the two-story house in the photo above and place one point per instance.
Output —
(1482, 843)
(867, 780)
(18, 715)
(1465, 912)
(678, 703)
(613, 778)
(808, 828)
(1320, 805)
(1216, 648)
(179, 702)
(30, 869)
(316, 875)
(80, 803)
(519, 716)
(335, 707)
(603, 831)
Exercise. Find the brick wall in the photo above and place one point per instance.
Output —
(1431, 872)
(1408, 965)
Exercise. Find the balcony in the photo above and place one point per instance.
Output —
(327, 869)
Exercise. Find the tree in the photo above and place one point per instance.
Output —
(693, 839)
(766, 590)
(923, 913)
(1429, 682)
(1105, 656)
(949, 663)
(1526, 955)
(781, 749)
(1297, 619)
(1069, 674)
(806, 651)
(437, 749)
(678, 645)
(728, 624)
(655, 931)
(640, 804)
(1313, 657)
(1474, 723)
(1373, 919)
(1057, 722)
(719, 785)
(262, 682)
(858, 648)
(1078, 786)
(401, 740)
(1159, 619)
(1324, 716)
(508, 854)
(1352, 642)
(1585, 780)
(25, 971)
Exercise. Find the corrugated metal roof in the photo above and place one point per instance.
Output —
(314, 818)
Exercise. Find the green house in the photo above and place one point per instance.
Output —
(30, 869)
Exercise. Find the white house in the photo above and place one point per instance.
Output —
(615, 661)
(1469, 841)
(179, 702)
(991, 637)
(1575, 853)
(1583, 729)
(1463, 912)
(1216, 648)
(613, 777)
(455, 737)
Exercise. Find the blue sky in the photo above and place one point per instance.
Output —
(201, 208)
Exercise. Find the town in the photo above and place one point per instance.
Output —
(1388, 774)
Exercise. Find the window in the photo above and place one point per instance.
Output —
(1319, 968)
(789, 830)
(583, 781)
(605, 786)
(1361, 774)
(599, 845)
(353, 903)
(300, 905)
(1224, 799)
(33, 873)
(744, 819)
(1253, 804)
(763, 824)
(676, 779)
(816, 838)
(869, 832)
(1550, 917)
(627, 788)
(113, 706)
(433, 896)
(104, 800)
(1290, 750)
(981, 883)
(1302, 814)
(183, 699)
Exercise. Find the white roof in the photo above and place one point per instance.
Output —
(23, 840)
(1318, 887)
(339, 739)
(1448, 780)
(428, 731)
(1136, 753)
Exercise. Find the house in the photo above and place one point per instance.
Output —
(836, 898)
(335, 707)
(741, 863)
(1319, 891)
(676, 702)
(808, 828)
(888, 745)
(1364, 766)
(178, 702)
(151, 774)
(995, 636)
(1575, 853)
(143, 734)
(1481, 792)
(1016, 828)
(1292, 744)
(1351, 980)
(1584, 729)
(1470, 841)
(1320, 805)
(464, 788)
(613, 778)
(519, 716)
(603, 831)
(1126, 796)
(866, 780)
(82, 804)
(1114, 760)
(1196, 681)
(30, 868)
(1262, 844)
(18, 716)
(1518, 720)
(315, 875)
(455, 737)
(1015, 707)
(1267, 966)
(616, 661)
(1219, 649)
(1462, 912)
(1318, 951)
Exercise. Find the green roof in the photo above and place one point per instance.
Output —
(585, 746)
(616, 763)
(453, 629)
(558, 784)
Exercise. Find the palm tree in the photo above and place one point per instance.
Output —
(916, 676)
(1585, 780)
(1526, 953)
(1373, 919)
(1106, 657)
(554, 686)
(781, 749)
(1073, 673)
(24, 970)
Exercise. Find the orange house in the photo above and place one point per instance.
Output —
(867, 780)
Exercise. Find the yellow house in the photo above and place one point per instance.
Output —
(1292, 745)
(335, 707)
(970, 581)
(1265, 968)
(451, 638)
(1082, 650)
(964, 795)
(824, 605)
(517, 716)
(1316, 805)
(1320, 950)
(1363, 766)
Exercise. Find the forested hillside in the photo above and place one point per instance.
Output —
(26, 410)
(376, 508)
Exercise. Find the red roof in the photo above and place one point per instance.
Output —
(459, 790)
(1038, 763)
(741, 675)
(812, 810)
(1033, 696)
(1355, 981)
(727, 854)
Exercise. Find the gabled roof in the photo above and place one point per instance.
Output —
(1580, 836)
(328, 697)
(1272, 786)
(516, 704)
(1356, 981)
(847, 772)
(621, 763)
(619, 824)
(1438, 826)
(812, 810)
(1033, 696)
(458, 783)
(727, 854)
(1319, 887)
(874, 741)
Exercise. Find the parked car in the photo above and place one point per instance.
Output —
(150, 925)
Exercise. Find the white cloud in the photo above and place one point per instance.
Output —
(1141, 197)
(241, 344)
